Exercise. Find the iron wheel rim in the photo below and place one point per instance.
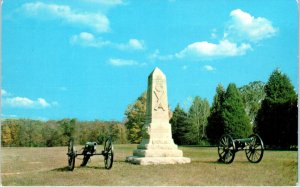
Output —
(226, 149)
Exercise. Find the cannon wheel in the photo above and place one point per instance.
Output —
(108, 154)
(255, 150)
(71, 155)
(226, 149)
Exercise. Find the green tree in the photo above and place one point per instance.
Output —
(178, 122)
(136, 115)
(197, 121)
(51, 135)
(215, 126)
(252, 95)
(236, 121)
(276, 121)
(36, 133)
(24, 137)
(68, 129)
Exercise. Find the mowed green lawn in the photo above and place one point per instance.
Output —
(47, 166)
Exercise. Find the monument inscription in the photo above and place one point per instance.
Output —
(157, 145)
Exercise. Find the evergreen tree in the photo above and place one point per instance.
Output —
(277, 118)
(236, 121)
(178, 122)
(215, 126)
(136, 115)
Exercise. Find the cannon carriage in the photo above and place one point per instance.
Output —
(253, 146)
(90, 150)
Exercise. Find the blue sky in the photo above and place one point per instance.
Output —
(90, 59)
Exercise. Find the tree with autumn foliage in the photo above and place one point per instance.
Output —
(135, 118)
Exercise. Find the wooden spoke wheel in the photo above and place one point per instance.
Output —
(255, 149)
(226, 149)
(71, 155)
(108, 154)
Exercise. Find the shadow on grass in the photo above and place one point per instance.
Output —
(66, 169)
(208, 161)
(92, 167)
(63, 169)
(120, 161)
(219, 162)
(223, 163)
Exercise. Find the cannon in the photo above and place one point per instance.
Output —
(88, 151)
(253, 146)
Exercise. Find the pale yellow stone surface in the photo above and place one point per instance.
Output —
(157, 146)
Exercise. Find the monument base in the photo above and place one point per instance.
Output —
(157, 160)
(158, 151)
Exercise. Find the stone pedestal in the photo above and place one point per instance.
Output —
(157, 146)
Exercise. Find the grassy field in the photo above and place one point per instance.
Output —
(47, 166)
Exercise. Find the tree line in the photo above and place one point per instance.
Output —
(269, 110)
(36, 133)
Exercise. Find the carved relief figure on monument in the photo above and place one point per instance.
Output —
(159, 93)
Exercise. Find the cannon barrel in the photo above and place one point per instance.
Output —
(89, 147)
(90, 143)
(244, 140)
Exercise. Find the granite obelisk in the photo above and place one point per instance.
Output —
(157, 145)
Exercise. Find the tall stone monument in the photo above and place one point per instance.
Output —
(157, 146)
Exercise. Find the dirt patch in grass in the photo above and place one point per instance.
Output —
(47, 166)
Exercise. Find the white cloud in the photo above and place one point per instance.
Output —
(244, 26)
(87, 36)
(132, 44)
(241, 32)
(224, 48)
(136, 44)
(107, 2)
(242, 29)
(4, 116)
(122, 62)
(157, 56)
(19, 102)
(89, 40)
(24, 102)
(209, 68)
(4, 93)
(214, 34)
(96, 21)
(42, 102)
